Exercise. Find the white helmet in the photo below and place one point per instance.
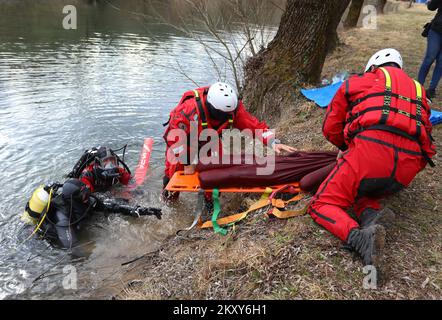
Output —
(222, 97)
(385, 56)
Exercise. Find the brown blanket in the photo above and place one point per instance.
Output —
(308, 168)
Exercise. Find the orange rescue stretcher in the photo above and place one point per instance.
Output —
(191, 183)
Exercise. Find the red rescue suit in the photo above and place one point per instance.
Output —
(192, 109)
(95, 183)
(381, 122)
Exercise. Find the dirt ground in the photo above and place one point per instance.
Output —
(296, 259)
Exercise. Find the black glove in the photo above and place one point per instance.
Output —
(169, 196)
(110, 174)
(141, 211)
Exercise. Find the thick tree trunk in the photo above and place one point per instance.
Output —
(380, 6)
(296, 55)
(353, 14)
(333, 38)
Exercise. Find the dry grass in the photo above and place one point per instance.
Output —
(296, 259)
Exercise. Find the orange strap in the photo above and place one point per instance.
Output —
(261, 203)
(265, 201)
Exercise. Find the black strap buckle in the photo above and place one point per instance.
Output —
(32, 213)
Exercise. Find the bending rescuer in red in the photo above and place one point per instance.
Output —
(216, 107)
(380, 122)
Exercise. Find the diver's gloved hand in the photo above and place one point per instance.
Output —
(110, 173)
(169, 197)
(141, 211)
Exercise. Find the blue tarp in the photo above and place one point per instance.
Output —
(323, 96)
(436, 117)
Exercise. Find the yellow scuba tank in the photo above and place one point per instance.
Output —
(37, 206)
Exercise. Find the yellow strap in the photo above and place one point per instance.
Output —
(418, 90)
(419, 95)
(388, 82)
(404, 98)
(226, 220)
(418, 98)
(261, 203)
(289, 213)
(197, 94)
(388, 85)
(280, 204)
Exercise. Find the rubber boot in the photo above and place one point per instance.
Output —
(369, 243)
(383, 217)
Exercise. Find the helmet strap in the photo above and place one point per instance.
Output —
(217, 114)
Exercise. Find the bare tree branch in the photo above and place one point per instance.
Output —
(229, 30)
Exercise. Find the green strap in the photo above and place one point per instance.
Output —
(216, 211)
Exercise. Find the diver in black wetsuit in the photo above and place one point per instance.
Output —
(59, 217)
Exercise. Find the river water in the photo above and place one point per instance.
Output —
(63, 91)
